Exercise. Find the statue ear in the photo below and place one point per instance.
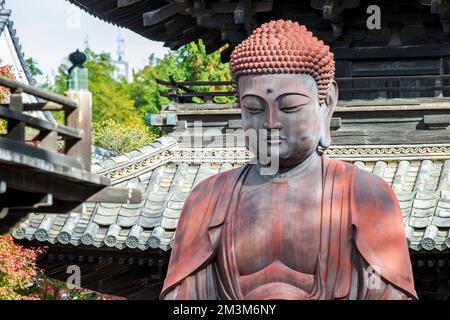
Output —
(327, 112)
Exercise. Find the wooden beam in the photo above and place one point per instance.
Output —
(176, 25)
(43, 106)
(154, 17)
(40, 106)
(15, 85)
(50, 157)
(36, 123)
(241, 12)
(48, 140)
(126, 3)
(63, 189)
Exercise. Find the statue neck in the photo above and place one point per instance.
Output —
(308, 166)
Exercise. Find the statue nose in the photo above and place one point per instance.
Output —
(272, 121)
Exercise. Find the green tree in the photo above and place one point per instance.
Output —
(109, 95)
(118, 104)
(189, 63)
(113, 108)
(33, 66)
(193, 64)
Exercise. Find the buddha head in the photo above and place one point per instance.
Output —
(284, 77)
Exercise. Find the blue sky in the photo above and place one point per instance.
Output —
(51, 29)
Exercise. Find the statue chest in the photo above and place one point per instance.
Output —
(276, 227)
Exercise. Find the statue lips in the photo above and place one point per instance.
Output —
(275, 139)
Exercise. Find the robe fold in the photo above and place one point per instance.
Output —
(361, 231)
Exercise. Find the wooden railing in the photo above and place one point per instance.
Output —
(182, 92)
(75, 149)
(350, 88)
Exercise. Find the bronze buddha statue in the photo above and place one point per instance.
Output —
(316, 228)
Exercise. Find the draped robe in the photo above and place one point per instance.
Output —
(361, 232)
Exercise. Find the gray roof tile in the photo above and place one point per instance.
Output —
(169, 223)
(171, 213)
(127, 222)
(147, 222)
(421, 186)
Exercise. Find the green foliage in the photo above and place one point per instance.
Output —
(111, 135)
(189, 63)
(121, 106)
(110, 97)
(33, 66)
(144, 90)
(193, 64)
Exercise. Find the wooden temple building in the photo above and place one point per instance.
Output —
(392, 119)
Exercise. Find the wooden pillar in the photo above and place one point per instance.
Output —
(16, 129)
(81, 118)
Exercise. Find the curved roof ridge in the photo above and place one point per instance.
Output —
(132, 162)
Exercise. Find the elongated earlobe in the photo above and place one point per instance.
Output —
(325, 139)
(325, 132)
(328, 109)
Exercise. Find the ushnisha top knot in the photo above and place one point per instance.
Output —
(284, 47)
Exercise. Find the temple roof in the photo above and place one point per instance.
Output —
(8, 31)
(11, 53)
(219, 22)
(167, 173)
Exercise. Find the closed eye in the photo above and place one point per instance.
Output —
(253, 109)
(292, 108)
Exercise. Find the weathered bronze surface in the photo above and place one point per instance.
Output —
(316, 228)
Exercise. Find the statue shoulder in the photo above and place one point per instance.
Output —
(379, 232)
(367, 188)
(372, 193)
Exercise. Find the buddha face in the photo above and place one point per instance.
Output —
(284, 111)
